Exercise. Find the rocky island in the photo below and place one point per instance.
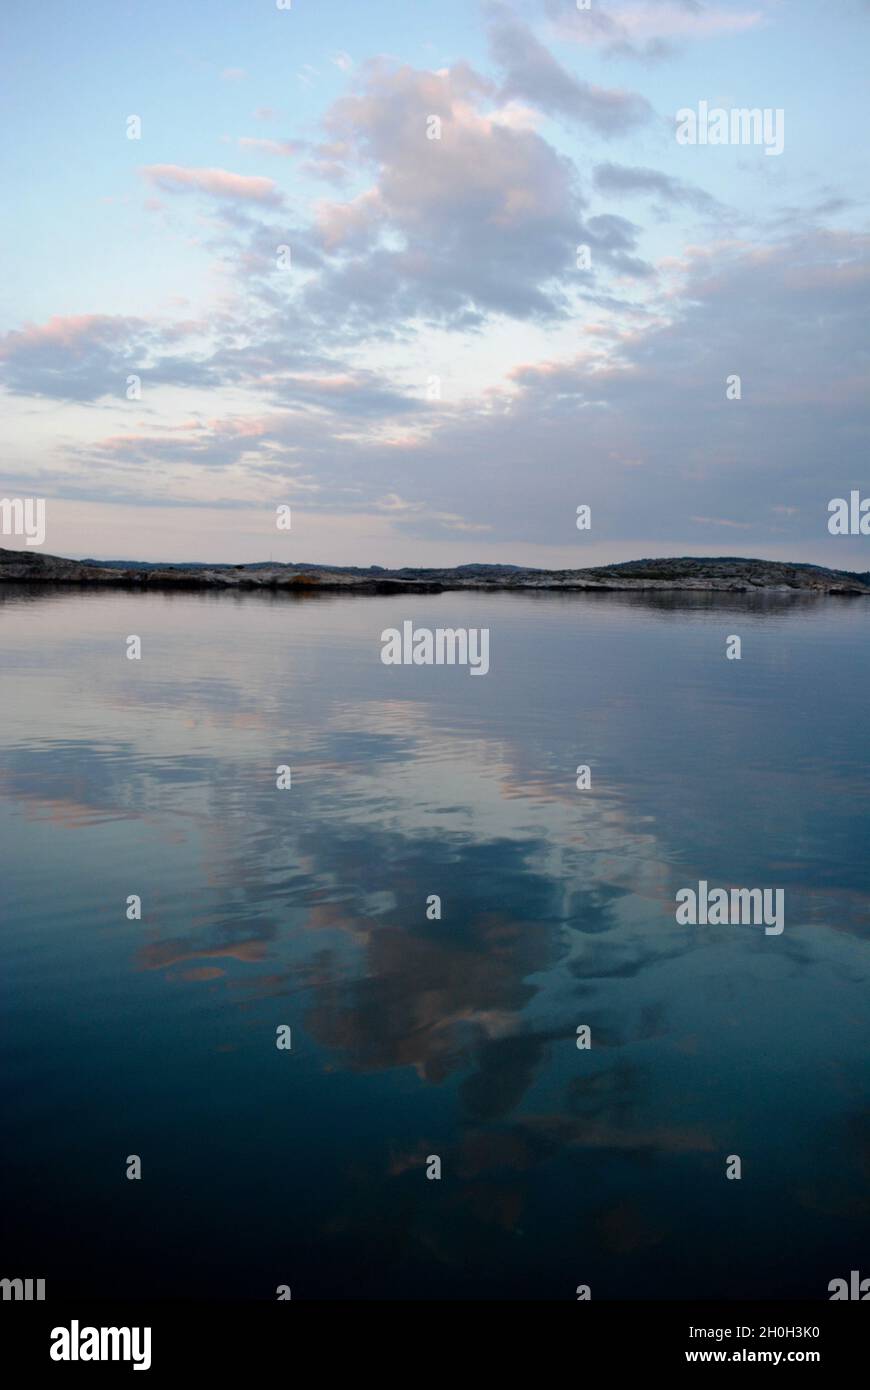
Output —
(723, 574)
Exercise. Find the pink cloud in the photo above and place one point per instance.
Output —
(220, 183)
(68, 331)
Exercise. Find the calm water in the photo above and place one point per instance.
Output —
(414, 1037)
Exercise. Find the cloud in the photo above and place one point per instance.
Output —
(620, 180)
(533, 74)
(484, 220)
(88, 357)
(647, 29)
(684, 19)
(636, 424)
(218, 183)
(72, 357)
(639, 427)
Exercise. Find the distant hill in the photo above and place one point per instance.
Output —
(728, 574)
(362, 570)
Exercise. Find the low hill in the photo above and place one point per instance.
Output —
(726, 573)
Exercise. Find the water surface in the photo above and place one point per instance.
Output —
(414, 1037)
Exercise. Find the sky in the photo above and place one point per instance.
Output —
(434, 275)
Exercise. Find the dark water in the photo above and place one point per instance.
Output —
(412, 1037)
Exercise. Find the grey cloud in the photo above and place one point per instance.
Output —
(643, 432)
(533, 74)
(637, 425)
(89, 357)
(485, 220)
(620, 180)
(597, 28)
(641, 428)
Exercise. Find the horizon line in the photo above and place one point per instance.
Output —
(467, 564)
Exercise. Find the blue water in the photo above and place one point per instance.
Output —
(416, 1037)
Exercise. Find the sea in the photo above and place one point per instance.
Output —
(414, 1018)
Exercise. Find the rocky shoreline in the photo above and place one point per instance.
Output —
(726, 575)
